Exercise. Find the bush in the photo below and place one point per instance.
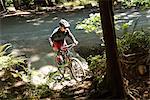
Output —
(9, 2)
(136, 3)
(129, 42)
(9, 60)
(10, 65)
(93, 24)
(79, 2)
(97, 65)
(16, 83)
(133, 42)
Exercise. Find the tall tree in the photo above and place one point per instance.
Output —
(114, 76)
(2, 5)
(16, 4)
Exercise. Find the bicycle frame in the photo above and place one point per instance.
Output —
(64, 54)
(66, 59)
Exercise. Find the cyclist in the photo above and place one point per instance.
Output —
(58, 38)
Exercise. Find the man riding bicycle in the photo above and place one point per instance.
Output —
(58, 38)
(58, 42)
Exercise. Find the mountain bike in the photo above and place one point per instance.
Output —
(68, 64)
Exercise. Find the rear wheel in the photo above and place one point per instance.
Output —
(77, 70)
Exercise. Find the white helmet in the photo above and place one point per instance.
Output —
(64, 22)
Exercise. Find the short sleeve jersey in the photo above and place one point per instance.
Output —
(57, 35)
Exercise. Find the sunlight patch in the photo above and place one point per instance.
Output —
(37, 78)
(148, 16)
(34, 58)
(11, 9)
(58, 86)
(49, 21)
(51, 54)
(41, 21)
(16, 52)
(55, 18)
(33, 20)
(131, 16)
(27, 50)
(47, 69)
(122, 14)
(36, 24)
(148, 11)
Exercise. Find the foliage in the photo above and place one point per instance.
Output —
(78, 2)
(85, 2)
(9, 60)
(4, 48)
(136, 3)
(98, 66)
(133, 42)
(38, 78)
(37, 92)
(13, 70)
(9, 2)
(125, 3)
(64, 2)
(130, 41)
(93, 24)
(10, 65)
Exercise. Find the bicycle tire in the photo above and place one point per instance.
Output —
(77, 70)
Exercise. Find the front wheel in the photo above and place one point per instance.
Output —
(77, 70)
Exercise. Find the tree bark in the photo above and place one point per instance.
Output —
(47, 2)
(2, 5)
(16, 4)
(114, 75)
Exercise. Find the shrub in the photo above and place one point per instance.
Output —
(136, 3)
(133, 42)
(97, 65)
(8, 60)
(10, 65)
(128, 42)
(10, 75)
(93, 24)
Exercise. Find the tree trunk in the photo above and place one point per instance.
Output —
(16, 4)
(2, 5)
(114, 76)
(47, 2)
(51, 3)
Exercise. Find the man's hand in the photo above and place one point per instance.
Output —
(50, 41)
(76, 43)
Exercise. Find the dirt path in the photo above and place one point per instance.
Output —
(79, 91)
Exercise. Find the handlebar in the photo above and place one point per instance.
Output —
(68, 47)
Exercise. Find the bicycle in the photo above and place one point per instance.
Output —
(68, 64)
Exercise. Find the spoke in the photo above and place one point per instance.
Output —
(77, 70)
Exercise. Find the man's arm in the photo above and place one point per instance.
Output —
(72, 37)
(51, 36)
(50, 41)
